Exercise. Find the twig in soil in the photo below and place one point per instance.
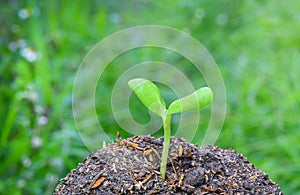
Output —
(147, 178)
(96, 179)
(97, 183)
(147, 152)
(181, 179)
(130, 144)
(139, 186)
(114, 168)
(172, 164)
(180, 150)
(156, 153)
(208, 189)
(253, 177)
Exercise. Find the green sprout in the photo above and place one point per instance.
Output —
(151, 97)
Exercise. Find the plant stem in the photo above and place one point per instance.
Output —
(167, 134)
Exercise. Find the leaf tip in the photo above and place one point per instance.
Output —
(209, 93)
(205, 96)
(133, 83)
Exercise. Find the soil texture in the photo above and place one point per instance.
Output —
(132, 165)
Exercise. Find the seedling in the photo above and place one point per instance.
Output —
(151, 97)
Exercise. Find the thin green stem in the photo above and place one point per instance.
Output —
(167, 134)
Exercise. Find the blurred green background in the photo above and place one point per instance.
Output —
(256, 45)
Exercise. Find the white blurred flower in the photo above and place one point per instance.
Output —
(222, 19)
(42, 120)
(36, 142)
(114, 17)
(22, 43)
(26, 161)
(14, 45)
(21, 183)
(51, 177)
(242, 60)
(29, 95)
(39, 109)
(29, 54)
(56, 162)
(199, 13)
(24, 13)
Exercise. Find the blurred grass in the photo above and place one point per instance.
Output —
(255, 43)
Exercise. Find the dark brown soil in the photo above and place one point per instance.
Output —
(132, 167)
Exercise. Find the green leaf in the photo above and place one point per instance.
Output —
(149, 95)
(195, 101)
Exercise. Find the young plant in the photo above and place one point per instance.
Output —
(151, 97)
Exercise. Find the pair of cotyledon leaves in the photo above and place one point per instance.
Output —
(151, 97)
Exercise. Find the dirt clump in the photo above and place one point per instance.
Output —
(132, 165)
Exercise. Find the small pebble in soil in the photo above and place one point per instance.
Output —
(131, 166)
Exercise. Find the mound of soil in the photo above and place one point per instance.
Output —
(131, 166)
